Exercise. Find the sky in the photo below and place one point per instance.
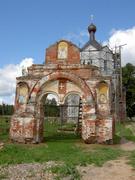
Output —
(28, 27)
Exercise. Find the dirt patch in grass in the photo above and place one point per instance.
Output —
(115, 169)
(125, 145)
(112, 170)
(33, 171)
(128, 146)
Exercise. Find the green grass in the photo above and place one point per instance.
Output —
(132, 159)
(58, 146)
(60, 150)
(67, 148)
(126, 131)
(4, 128)
(65, 170)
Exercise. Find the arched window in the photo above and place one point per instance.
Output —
(71, 110)
(102, 93)
(62, 50)
(22, 93)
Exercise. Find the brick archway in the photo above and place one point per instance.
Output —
(67, 71)
(61, 75)
(37, 93)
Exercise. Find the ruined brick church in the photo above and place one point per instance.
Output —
(68, 70)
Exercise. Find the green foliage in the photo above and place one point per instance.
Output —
(6, 109)
(132, 159)
(128, 75)
(116, 139)
(4, 128)
(50, 108)
(125, 131)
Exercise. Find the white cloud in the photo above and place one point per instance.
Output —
(120, 37)
(26, 62)
(8, 76)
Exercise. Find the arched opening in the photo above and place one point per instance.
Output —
(74, 85)
(51, 108)
(60, 121)
(102, 93)
(22, 93)
(103, 99)
(71, 113)
(49, 115)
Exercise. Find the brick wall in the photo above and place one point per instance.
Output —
(73, 54)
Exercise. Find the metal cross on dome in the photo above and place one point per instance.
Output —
(91, 17)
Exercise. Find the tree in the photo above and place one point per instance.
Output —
(6, 109)
(51, 108)
(128, 75)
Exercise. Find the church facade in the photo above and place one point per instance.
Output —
(68, 70)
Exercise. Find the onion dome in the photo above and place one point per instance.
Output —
(92, 29)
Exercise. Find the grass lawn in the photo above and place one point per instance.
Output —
(67, 148)
(126, 130)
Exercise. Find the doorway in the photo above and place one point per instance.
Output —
(61, 120)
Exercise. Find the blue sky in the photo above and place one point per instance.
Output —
(27, 27)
